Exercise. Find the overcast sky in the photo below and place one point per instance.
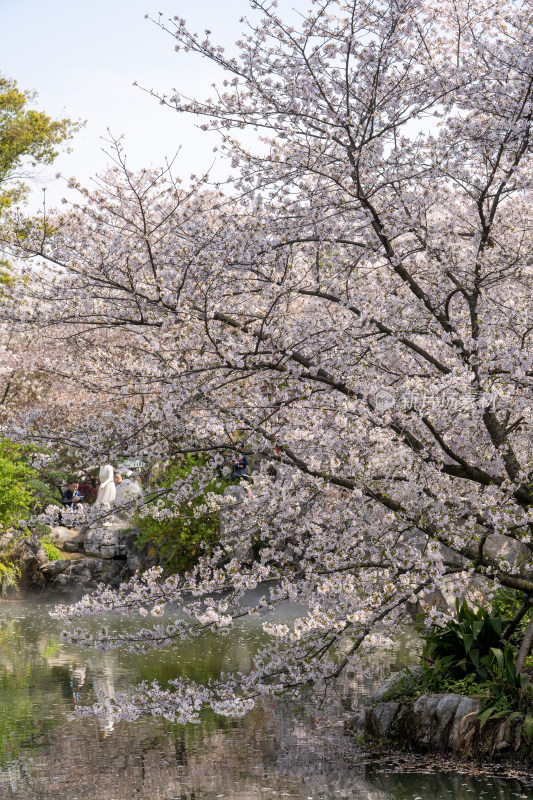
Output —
(83, 57)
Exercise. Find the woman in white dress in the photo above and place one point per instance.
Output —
(107, 489)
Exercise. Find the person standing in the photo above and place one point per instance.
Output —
(106, 493)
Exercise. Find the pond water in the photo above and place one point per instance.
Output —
(284, 751)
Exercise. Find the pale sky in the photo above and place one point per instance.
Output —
(83, 57)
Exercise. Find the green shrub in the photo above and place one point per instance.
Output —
(462, 646)
(16, 499)
(179, 540)
(412, 684)
(470, 656)
(506, 603)
(9, 575)
(51, 550)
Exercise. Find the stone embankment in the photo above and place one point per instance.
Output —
(103, 554)
(97, 554)
(432, 723)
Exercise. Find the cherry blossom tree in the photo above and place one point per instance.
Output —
(355, 307)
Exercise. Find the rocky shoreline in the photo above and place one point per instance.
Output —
(102, 554)
(432, 723)
(444, 724)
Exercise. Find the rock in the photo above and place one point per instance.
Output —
(498, 546)
(94, 565)
(451, 558)
(431, 718)
(380, 719)
(60, 535)
(56, 567)
(359, 720)
(404, 676)
(113, 572)
(464, 724)
(119, 541)
(434, 722)
(138, 558)
(31, 558)
(127, 494)
(73, 546)
(7, 539)
(80, 566)
(71, 575)
(107, 541)
(134, 562)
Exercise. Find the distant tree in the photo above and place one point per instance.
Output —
(27, 138)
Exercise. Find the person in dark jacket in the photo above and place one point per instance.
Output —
(71, 497)
(240, 467)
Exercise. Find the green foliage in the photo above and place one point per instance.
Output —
(27, 138)
(16, 498)
(51, 550)
(509, 690)
(471, 685)
(506, 603)
(470, 656)
(43, 494)
(51, 476)
(6, 276)
(23, 488)
(9, 575)
(462, 646)
(179, 540)
(412, 684)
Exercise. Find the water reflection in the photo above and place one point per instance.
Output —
(279, 751)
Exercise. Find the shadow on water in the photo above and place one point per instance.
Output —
(283, 751)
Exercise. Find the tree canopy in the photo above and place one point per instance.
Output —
(357, 311)
(27, 138)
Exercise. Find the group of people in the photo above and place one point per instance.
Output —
(239, 467)
(113, 489)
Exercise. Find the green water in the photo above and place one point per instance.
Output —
(282, 751)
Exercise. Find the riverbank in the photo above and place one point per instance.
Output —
(71, 561)
(437, 723)
(290, 750)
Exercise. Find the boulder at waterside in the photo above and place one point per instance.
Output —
(432, 723)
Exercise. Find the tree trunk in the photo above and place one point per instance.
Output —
(517, 619)
(525, 647)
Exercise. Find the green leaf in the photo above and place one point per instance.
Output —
(528, 727)
(485, 715)
(524, 679)
(498, 655)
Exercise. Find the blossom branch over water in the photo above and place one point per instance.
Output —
(376, 244)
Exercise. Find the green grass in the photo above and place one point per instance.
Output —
(51, 550)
